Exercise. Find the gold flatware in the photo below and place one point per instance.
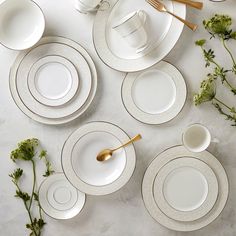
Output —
(197, 5)
(106, 154)
(162, 8)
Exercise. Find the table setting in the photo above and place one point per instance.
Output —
(117, 117)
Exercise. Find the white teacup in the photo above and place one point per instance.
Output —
(197, 138)
(132, 28)
(85, 6)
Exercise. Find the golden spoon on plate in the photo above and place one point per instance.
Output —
(106, 154)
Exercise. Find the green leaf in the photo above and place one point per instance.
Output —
(23, 195)
(16, 175)
(200, 42)
(43, 154)
(207, 91)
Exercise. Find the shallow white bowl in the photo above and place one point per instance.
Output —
(22, 24)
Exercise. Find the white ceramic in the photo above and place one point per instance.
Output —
(22, 24)
(197, 138)
(185, 189)
(53, 80)
(91, 171)
(163, 29)
(78, 54)
(84, 171)
(85, 6)
(132, 28)
(155, 95)
(63, 51)
(154, 168)
(59, 199)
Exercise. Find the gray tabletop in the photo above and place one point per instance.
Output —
(121, 213)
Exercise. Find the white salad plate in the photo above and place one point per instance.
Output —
(155, 167)
(163, 33)
(85, 92)
(81, 167)
(185, 189)
(53, 80)
(17, 32)
(155, 95)
(59, 199)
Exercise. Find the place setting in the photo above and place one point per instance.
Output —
(185, 187)
(143, 40)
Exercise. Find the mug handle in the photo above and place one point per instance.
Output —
(103, 6)
(142, 15)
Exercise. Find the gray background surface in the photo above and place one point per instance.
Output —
(121, 213)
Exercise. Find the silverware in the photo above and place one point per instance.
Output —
(197, 5)
(162, 8)
(106, 154)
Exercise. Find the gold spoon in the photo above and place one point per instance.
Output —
(106, 154)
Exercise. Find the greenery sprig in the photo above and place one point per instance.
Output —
(26, 151)
(219, 27)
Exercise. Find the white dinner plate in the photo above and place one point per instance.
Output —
(154, 168)
(22, 24)
(53, 80)
(81, 167)
(163, 30)
(59, 199)
(185, 189)
(155, 95)
(68, 45)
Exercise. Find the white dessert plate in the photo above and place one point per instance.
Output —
(148, 184)
(163, 31)
(53, 80)
(84, 171)
(155, 95)
(59, 199)
(185, 189)
(79, 54)
(22, 24)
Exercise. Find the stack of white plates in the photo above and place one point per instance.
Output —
(81, 167)
(53, 82)
(185, 191)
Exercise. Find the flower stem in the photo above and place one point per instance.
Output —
(28, 211)
(222, 103)
(34, 183)
(228, 50)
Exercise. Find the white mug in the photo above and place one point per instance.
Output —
(132, 28)
(85, 6)
(197, 138)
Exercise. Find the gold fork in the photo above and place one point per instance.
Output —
(162, 8)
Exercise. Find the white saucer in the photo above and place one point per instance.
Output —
(185, 189)
(148, 184)
(164, 31)
(67, 46)
(84, 171)
(59, 199)
(22, 24)
(155, 95)
(53, 80)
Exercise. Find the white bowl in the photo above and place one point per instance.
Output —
(22, 24)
